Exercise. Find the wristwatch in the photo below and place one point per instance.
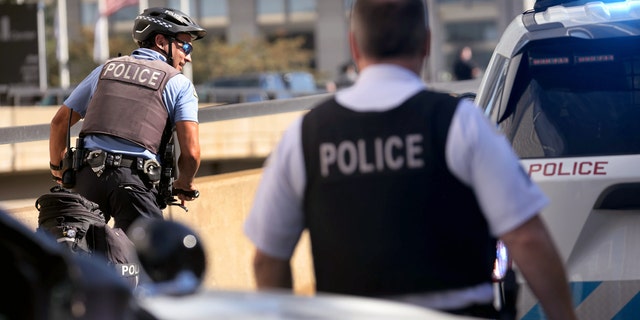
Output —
(54, 167)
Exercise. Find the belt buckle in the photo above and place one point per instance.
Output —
(109, 159)
(117, 158)
(113, 159)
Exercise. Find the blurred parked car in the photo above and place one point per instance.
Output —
(563, 84)
(32, 96)
(301, 83)
(257, 87)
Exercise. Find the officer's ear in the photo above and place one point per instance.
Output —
(427, 44)
(353, 45)
(160, 41)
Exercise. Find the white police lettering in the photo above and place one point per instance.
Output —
(391, 153)
(133, 73)
(128, 270)
(176, 16)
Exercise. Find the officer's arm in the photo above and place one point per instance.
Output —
(536, 257)
(271, 272)
(58, 135)
(189, 160)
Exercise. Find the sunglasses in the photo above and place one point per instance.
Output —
(186, 47)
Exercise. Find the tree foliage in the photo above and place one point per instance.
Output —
(254, 55)
(210, 59)
(80, 58)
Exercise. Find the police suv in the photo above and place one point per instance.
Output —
(563, 84)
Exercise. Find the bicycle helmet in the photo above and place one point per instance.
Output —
(165, 21)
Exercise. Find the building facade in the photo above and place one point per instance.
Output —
(324, 23)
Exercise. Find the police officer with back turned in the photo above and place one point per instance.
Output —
(130, 106)
(403, 190)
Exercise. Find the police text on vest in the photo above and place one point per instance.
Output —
(133, 73)
(391, 153)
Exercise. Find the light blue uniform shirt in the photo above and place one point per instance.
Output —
(179, 98)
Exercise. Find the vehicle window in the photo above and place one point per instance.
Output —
(576, 98)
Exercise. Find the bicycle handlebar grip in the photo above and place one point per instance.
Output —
(193, 194)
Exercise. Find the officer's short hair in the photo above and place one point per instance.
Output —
(150, 42)
(390, 28)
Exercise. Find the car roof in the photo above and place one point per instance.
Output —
(576, 19)
(542, 5)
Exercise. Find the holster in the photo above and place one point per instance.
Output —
(68, 173)
(96, 160)
(71, 163)
(152, 170)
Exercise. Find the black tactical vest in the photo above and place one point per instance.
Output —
(385, 214)
(128, 101)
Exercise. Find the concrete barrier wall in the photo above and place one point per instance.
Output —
(218, 217)
(230, 139)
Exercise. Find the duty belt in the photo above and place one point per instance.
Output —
(120, 160)
(97, 158)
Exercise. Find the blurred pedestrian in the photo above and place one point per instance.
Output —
(463, 66)
(347, 76)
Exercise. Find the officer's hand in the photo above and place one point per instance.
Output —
(56, 175)
(185, 191)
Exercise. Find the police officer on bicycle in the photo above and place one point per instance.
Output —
(130, 105)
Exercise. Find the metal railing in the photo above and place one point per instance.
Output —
(29, 96)
(39, 132)
(27, 133)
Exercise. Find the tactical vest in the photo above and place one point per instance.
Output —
(128, 101)
(385, 214)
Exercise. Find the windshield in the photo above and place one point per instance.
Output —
(576, 97)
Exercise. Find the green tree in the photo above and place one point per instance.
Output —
(210, 59)
(218, 58)
(81, 55)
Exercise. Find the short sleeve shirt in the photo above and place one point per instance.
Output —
(179, 97)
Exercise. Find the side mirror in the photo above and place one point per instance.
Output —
(171, 255)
